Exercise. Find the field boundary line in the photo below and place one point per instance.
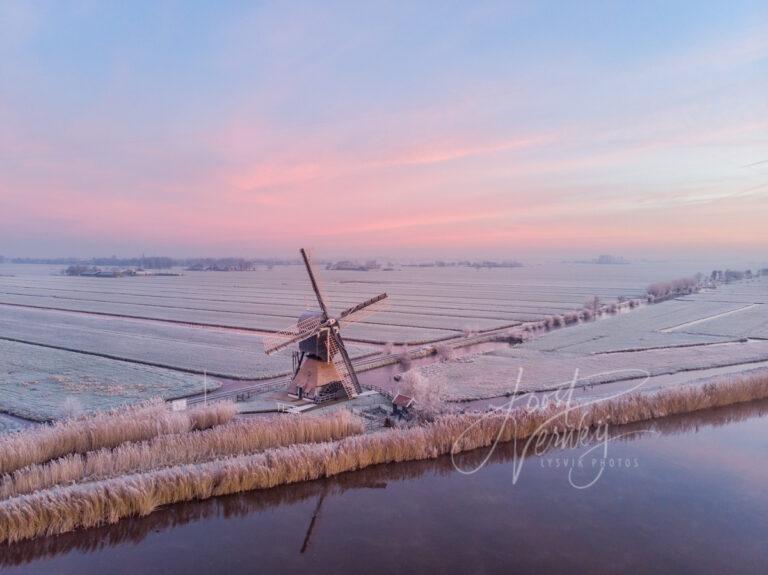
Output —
(702, 320)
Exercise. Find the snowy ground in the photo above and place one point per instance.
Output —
(496, 373)
(225, 353)
(176, 315)
(9, 423)
(37, 383)
(684, 336)
(639, 329)
(426, 304)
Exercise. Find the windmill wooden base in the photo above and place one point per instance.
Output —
(317, 381)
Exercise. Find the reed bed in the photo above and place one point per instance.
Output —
(210, 415)
(105, 430)
(235, 438)
(67, 508)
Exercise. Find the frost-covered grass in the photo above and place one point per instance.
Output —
(701, 338)
(746, 291)
(750, 321)
(9, 424)
(37, 382)
(496, 373)
(179, 308)
(231, 319)
(223, 352)
(426, 304)
(728, 313)
(637, 330)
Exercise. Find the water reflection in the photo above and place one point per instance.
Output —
(135, 531)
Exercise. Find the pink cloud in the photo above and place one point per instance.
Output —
(437, 153)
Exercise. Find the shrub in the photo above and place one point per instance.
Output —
(404, 358)
(570, 318)
(425, 391)
(445, 352)
(679, 286)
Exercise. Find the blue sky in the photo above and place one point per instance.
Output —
(432, 128)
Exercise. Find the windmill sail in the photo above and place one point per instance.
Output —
(364, 310)
(313, 279)
(340, 358)
(301, 330)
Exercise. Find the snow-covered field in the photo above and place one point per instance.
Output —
(686, 335)
(749, 319)
(640, 329)
(215, 321)
(40, 383)
(8, 424)
(426, 304)
(496, 373)
(221, 352)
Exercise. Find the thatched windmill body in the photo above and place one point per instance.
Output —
(323, 370)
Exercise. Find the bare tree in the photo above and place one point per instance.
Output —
(593, 305)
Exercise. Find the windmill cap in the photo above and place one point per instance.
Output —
(309, 314)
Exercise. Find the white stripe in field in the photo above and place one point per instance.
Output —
(702, 320)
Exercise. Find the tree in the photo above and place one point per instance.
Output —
(425, 391)
(593, 304)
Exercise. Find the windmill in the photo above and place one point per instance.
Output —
(323, 369)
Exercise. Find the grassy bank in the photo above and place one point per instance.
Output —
(235, 438)
(66, 508)
(105, 430)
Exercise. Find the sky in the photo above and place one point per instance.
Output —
(445, 129)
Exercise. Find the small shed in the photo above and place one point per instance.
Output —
(401, 404)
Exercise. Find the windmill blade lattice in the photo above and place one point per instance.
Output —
(343, 364)
(314, 280)
(365, 310)
(299, 331)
